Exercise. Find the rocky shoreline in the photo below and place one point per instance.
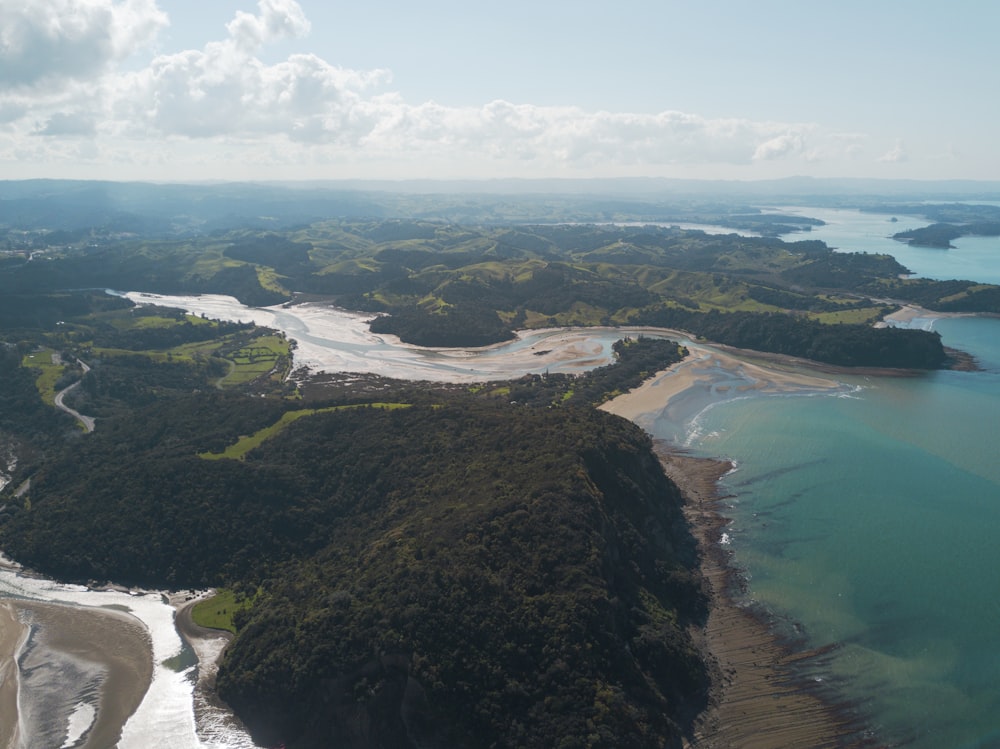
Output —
(760, 698)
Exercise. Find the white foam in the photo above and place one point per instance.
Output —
(79, 723)
(166, 715)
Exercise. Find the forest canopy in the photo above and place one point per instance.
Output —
(471, 566)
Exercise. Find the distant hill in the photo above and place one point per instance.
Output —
(203, 208)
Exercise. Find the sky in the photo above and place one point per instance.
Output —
(193, 90)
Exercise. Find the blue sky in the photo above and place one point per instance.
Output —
(314, 89)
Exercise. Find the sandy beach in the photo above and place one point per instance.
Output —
(115, 642)
(698, 372)
(758, 700)
(12, 634)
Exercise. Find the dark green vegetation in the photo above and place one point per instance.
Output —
(465, 571)
(935, 235)
(473, 589)
(941, 235)
(447, 285)
(138, 354)
(408, 566)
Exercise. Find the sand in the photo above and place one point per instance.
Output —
(757, 702)
(214, 717)
(116, 641)
(208, 644)
(12, 634)
(777, 375)
(759, 698)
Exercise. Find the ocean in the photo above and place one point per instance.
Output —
(866, 520)
(863, 516)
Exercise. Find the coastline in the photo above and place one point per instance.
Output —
(12, 635)
(208, 645)
(212, 715)
(758, 700)
(115, 642)
(700, 369)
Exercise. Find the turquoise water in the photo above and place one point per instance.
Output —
(868, 519)
(972, 258)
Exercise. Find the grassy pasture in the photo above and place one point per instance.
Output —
(239, 449)
(217, 612)
(255, 360)
(49, 372)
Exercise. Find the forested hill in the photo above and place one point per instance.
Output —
(495, 566)
(496, 582)
(440, 284)
(466, 572)
(500, 565)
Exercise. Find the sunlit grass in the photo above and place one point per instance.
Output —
(242, 446)
(217, 612)
(270, 280)
(259, 357)
(255, 360)
(48, 373)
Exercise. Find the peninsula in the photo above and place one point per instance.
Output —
(464, 563)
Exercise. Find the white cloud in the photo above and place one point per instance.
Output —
(278, 19)
(222, 103)
(50, 42)
(895, 155)
(779, 146)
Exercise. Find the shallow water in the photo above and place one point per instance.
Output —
(864, 517)
(59, 690)
(867, 519)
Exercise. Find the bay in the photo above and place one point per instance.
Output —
(865, 520)
(862, 519)
(849, 230)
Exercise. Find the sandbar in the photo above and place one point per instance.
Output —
(699, 370)
(116, 641)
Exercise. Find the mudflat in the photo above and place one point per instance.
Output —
(116, 641)
(12, 633)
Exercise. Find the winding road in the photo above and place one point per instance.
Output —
(87, 421)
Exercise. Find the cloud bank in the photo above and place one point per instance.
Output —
(74, 89)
